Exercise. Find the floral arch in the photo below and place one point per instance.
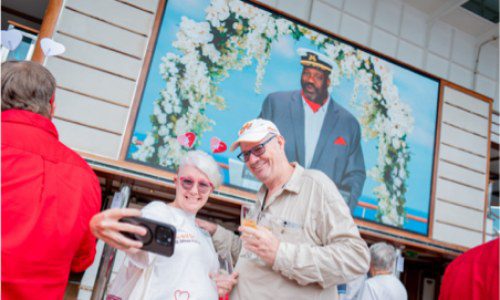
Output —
(234, 35)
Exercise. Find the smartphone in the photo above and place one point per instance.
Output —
(159, 238)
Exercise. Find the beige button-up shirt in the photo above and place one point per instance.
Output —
(320, 245)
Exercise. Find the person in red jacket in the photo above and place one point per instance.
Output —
(49, 193)
(473, 275)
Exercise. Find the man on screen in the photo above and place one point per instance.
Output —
(320, 133)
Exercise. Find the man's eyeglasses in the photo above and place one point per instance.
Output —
(257, 150)
(188, 183)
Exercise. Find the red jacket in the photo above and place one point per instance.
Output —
(49, 194)
(473, 275)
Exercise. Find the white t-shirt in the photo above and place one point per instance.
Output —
(383, 287)
(353, 289)
(184, 275)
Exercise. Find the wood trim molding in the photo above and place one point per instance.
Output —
(24, 27)
(157, 176)
(406, 238)
(488, 163)
(467, 91)
(141, 80)
(48, 26)
(437, 143)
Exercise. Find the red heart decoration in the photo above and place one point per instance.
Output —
(217, 145)
(187, 139)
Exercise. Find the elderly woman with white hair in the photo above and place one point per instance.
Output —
(382, 285)
(187, 273)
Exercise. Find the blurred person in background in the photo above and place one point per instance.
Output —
(382, 285)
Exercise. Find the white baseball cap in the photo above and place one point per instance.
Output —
(254, 131)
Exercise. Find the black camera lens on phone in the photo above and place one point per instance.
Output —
(163, 235)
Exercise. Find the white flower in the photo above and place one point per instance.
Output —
(217, 11)
(163, 131)
(210, 51)
(161, 118)
(283, 26)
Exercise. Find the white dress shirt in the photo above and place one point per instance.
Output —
(313, 122)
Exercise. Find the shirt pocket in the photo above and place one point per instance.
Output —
(290, 232)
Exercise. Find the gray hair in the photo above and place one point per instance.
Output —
(27, 85)
(383, 256)
(205, 163)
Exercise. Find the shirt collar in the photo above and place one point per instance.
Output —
(293, 184)
(29, 118)
(313, 105)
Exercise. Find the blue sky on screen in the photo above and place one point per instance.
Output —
(283, 73)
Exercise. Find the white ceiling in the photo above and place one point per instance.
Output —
(451, 12)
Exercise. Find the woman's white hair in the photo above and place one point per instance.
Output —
(204, 163)
(383, 256)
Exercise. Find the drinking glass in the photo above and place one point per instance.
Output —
(225, 263)
(225, 267)
(249, 215)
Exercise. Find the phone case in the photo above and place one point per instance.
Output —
(159, 239)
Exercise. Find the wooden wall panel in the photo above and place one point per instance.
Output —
(463, 119)
(494, 129)
(456, 235)
(122, 14)
(105, 116)
(462, 175)
(464, 140)
(460, 194)
(148, 5)
(98, 57)
(91, 82)
(459, 216)
(102, 33)
(465, 159)
(466, 101)
(87, 139)
(106, 43)
(462, 170)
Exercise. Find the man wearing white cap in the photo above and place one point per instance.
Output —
(321, 134)
(310, 243)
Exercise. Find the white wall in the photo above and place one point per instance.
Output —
(461, 170)
(97, 75)
(403, 32)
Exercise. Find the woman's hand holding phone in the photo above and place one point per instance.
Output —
(106, 226)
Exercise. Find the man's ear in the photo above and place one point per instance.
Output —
(52, 109)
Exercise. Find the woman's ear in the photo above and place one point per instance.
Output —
(281, 142)
(175, 178)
